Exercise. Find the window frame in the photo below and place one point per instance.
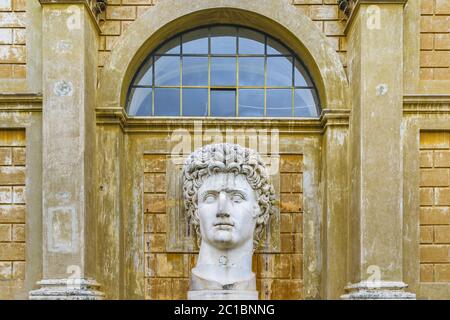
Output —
(294, 57)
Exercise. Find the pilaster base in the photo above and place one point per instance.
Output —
(378, 290)
(222, 295)
(67, 289)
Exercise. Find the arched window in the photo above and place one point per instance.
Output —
(223, 71)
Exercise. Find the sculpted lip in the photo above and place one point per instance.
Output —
(230, 224)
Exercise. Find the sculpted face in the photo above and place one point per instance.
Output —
(227, 210)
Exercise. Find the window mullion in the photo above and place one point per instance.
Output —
(293, 86)
(181, 75)
(153, 85)
(209, 72)
(237, 73)
(265, 77)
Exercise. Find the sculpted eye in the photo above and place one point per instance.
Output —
(208, 198)
(237, 198)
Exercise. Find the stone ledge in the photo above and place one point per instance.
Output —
(222, 295)
(67, 289)
(378, 290)
(20, 102)
(426, 99)
(118, 116)
(20, 98)
(335, 117)
(426, 104)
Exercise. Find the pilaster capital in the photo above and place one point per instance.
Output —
(96, 8)
(350, 8)
(335, 117)
(347, 6)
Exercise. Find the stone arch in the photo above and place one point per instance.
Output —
(278, 18)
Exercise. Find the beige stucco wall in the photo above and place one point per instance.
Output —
(361, 141)
(22, 115)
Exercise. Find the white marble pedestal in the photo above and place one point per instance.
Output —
(222, 295)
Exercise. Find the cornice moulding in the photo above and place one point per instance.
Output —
(20, 102)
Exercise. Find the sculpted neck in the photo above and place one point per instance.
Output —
(228, 265)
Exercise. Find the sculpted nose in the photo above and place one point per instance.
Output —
(222, 210)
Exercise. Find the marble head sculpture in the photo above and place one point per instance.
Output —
(228, 199)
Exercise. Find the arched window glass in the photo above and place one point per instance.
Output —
(223, 71)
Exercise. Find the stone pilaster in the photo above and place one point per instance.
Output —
(375, 67)
(69, 45)
(335, 196)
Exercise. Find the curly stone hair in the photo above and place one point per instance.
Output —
(228, 158)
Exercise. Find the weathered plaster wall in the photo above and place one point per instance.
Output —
(12, 204)
(118, 16)
(109, 210)
(376, 216)
(69, 140)
(12, 39)
(330, 20)
(435, 40)
(114, 243)
(335, 177)
(136, 239)
(435, 206)
(425, 134)
(20, 203)
(20, 46)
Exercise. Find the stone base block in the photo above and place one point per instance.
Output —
(222, 295)
(67, 289)
(378, 290)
